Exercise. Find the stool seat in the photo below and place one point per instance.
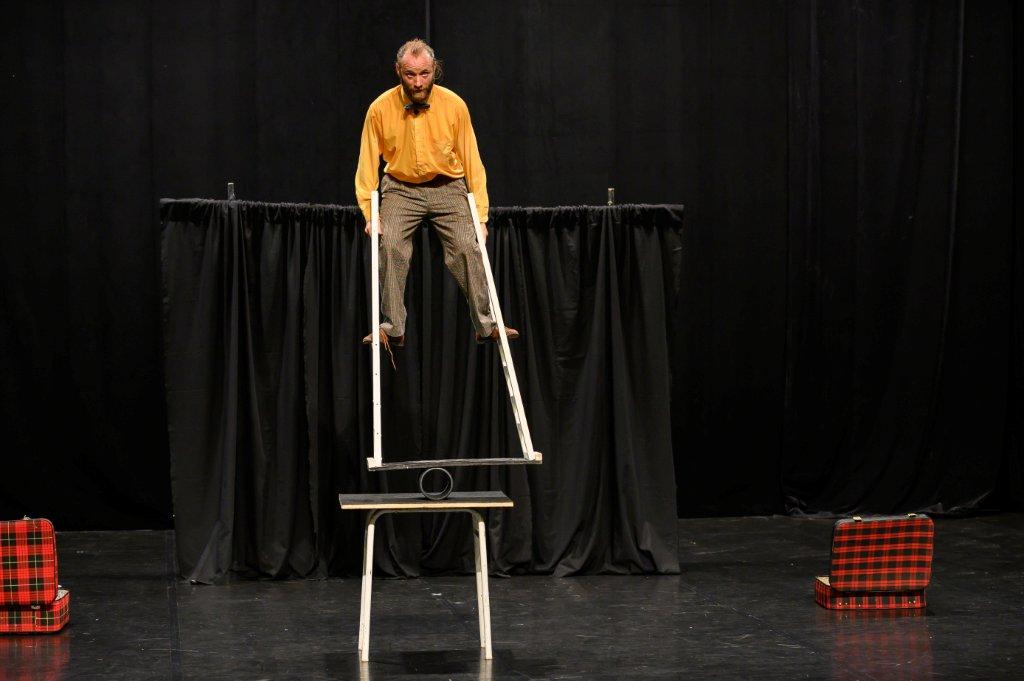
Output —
(414, 501)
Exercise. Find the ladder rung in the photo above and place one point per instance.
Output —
(448, 463)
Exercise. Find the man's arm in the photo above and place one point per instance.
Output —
(369, 161)
(469, 154)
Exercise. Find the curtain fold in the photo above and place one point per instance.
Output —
(268, 390)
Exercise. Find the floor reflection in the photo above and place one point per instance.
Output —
(42, 657)
(888, 644)
(456, 664)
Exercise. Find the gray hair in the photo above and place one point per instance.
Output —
(415, 47)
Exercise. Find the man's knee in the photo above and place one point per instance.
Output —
(394, 252)
(464, 243)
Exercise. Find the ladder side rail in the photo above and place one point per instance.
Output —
(377, 459)
(511, 381)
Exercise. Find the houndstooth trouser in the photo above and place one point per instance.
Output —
(443, 202)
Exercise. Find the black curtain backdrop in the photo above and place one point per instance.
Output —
(899, 258)
(849, 329)
(269, 392)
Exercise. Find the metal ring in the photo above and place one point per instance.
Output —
(446, 488)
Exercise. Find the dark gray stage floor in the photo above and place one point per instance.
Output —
(742, 608)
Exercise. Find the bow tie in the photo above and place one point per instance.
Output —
(416, 107)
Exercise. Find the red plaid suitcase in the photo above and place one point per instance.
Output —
(37, 619)
(28, 562)
(880, 563)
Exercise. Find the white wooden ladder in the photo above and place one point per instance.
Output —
(376, 462)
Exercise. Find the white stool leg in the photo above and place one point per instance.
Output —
(362, 587)
(481, 529)
(479, 581)
(367, 590)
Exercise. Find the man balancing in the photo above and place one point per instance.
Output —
(424, 133)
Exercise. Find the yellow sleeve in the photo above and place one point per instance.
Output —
(469, 154)
(369, 162)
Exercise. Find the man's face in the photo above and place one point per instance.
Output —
(417, 74)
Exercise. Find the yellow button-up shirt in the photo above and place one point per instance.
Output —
(418, 147)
